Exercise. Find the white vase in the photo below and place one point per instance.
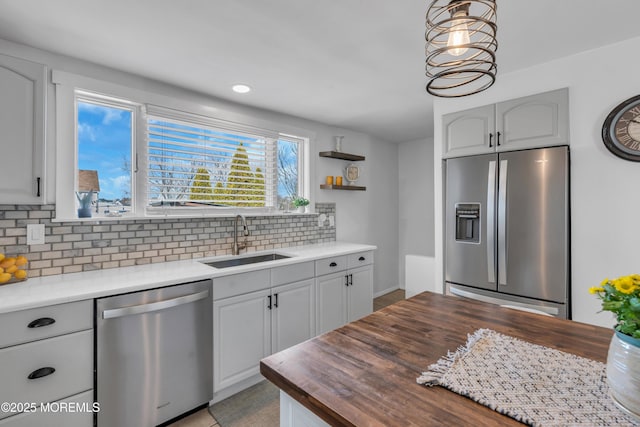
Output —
(300, 209)
(623, 373)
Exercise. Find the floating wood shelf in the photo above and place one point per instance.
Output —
(342, 187)
(341, 155)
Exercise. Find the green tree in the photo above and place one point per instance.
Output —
(244, 187)
(201, 186)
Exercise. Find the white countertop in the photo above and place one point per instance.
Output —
(49, 290)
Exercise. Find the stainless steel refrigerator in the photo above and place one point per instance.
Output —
(507, 229)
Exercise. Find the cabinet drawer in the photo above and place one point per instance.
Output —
(242, 283)
(70, 355)
(44, 322)
(79, 414)
(331, 265)
(359, 259)
(291, 273)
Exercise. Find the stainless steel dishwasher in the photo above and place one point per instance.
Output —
(153, 354)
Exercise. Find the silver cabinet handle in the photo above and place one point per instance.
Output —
(154, 306)
(490, 217)
(502, 224)
(553, 311)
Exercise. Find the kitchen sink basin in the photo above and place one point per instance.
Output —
(234, 262)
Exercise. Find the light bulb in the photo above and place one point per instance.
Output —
(459, 34)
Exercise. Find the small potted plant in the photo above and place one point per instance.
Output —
(621, 296)
(300, 203)
(84, 211)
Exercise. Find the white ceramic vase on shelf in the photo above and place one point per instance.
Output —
(623, 372)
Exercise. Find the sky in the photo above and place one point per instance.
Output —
(104, 144)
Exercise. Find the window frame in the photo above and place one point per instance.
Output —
(68, 85)
(136, 110)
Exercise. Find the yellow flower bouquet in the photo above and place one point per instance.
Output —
(622, 297)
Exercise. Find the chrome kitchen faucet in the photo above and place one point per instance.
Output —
(235, 249)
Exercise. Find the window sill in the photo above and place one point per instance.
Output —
(186, 215)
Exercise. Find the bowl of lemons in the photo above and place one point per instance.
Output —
(13, 268)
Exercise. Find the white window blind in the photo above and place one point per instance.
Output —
(194, 161)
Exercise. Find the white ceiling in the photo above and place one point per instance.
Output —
(357, 64)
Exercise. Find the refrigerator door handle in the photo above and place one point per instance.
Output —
(502, 224)
(490, 216)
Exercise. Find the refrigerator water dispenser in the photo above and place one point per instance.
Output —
(468, 222)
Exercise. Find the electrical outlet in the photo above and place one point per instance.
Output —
(332, 221)
(35, 234)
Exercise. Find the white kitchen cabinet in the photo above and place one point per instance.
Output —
(346, 295)
(331, 295)
(22, 130)
(293, 317)
(469, 132)
(257, 323)
(241, 337)
(51, 415)
(37, 366)
(293, 414)
(360, 293)
(540, 120)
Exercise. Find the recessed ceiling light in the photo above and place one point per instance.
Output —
(241, 88)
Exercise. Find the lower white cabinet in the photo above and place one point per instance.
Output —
(74, 411)
(251, 326)
(346, 295)
(265, 311)
(360, 293)
(331, 291)
(46, 366)
(293, 318)
(293, 414)
(241, 337)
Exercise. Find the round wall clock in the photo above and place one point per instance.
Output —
(621, 130)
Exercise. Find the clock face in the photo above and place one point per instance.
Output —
(621, 130)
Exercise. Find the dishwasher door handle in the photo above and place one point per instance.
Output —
(154, 306)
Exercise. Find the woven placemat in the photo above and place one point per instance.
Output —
(533, 384)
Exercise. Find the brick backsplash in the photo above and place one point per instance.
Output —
(81, 246)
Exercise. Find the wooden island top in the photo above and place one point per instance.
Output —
(364, 373)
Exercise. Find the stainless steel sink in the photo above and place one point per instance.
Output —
(234, 262)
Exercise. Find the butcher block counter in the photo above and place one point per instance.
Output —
(364, 373)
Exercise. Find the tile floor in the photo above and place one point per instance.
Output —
(204, 419)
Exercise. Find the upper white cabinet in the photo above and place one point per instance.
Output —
(469, 132)
(540, 120)
(22, 129)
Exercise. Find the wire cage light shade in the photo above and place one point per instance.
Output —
(461, 47)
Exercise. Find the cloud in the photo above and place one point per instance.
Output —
(112, 114)
(107, 114)
(86, 131)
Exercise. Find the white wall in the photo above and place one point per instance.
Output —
(369, 216)
(363, 217)
(415, 201)
(604, 189)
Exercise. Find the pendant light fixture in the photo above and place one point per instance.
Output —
(461, 46)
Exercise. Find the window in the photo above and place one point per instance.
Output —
(105, 145)
(289, 165)
(186, 161)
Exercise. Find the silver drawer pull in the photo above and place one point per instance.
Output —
(42, 372)
(44, 321)
(154, 306)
